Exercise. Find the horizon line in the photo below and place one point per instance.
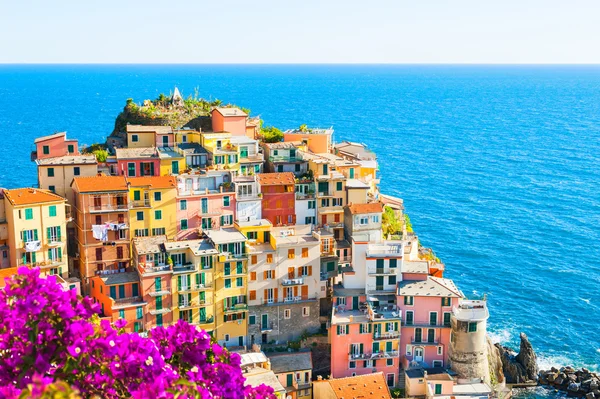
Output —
(301, 63)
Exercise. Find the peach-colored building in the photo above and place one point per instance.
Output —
(138, 162)
(426, 305)
(364, 336)
(54, 145)
(428, 383)
(119, 297)
(101, 221)
(232, 120)
(151, 262)
(204, 202)
(317, 140)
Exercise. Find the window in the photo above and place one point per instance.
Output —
(338, 186)
(269, 258)
(391, 380)
(393, 263)
(140, 215)
(184, 224)
(252, 319)
(390, 362)
(183, 205)
(269, 274)
(46, 149)
(158, 215)
(226, 200)
(227, 283)
(157, 196)
(438, 389)
(287, 313)
(363, 220)
(472, 327)
(239, 282)
(439, 350)
(158, 231)
(432, 318)
(98, 253)
(71, 148)
(134, 138)
(254, 260)
(50, 172)
(305, 252)
(447, 319)
(312, 204)
(352, 365)
(52, 210)
(252, 295)
(392, 280)
(376, 219)
(291, 254)
(446, 301)
(141, 232)
(343, 330)
(121, 313)
(252, 235)
(52, 188)
(305, 311)
(131, 169)
(409, 300)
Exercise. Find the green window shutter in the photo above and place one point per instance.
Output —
(393, 262)
(28, 214)
(179, 283)
(49, 254)
(396, 326)
(48, 232)
(59, 253)
(52, 210)
(388, 346)
(50, 172)
(135, 289)
(71, 148)
(197, 279)
(339, 328)
(375, 347)
(136, 195)
(347, 329)
(157, 196)
(113, 292)
(370, 328)
(375, 363)
(438, 389)
(361, 348)
(339, 185)
(158, 215)
(184, 224)
(35, 235)
(58, 232)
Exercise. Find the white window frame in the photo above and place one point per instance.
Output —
(393, 379)
(440, 363)
(439, 350)
(409, 350)
(270, 295)
(287, 314)
(305, 311)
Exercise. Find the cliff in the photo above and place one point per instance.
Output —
(519, 367)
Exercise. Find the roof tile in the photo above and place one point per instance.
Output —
(27, 196)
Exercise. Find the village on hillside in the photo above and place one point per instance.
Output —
(282, 247)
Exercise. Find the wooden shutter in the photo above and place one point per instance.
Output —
(265, 298)
(290, 272)
(310, 270)
(276, 294)
(299, 271)
(252, 295)
(305, 292)
(253, 276)
(254, 259)
(265, 275)
(296, 291)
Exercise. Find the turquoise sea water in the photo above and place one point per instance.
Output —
(499, 167)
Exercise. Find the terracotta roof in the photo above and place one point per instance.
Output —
(99, 183)
(361, 386)
(274, 179)
(153, 181)
(52, 136)
(373, 207)
(149, 129)
(26, 196)
(230, 111)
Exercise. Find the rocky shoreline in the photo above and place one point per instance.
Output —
(520, 369)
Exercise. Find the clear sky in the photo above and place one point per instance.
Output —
(306, 31)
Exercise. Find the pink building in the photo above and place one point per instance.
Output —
(204, 202)
(425, 303)
(138, 162)
(364, 336)
(232, 120)
(55, 145)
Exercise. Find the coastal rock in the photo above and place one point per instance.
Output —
(521, 367)
(495, 363)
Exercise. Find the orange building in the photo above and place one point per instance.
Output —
(279, 197)
(317, 140)
(101, 226)
(232, 120)
(119, 297)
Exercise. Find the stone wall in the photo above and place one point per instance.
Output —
(281, 329)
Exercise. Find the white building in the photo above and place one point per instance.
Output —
(248, 205)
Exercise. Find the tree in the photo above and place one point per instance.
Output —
(391, 224)
(303, 128)
(270, 134)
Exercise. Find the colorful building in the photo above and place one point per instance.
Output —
(101, 216)
(139, 136)
(119, 297)
(231, 275)
(229, 119)
(294, 371)
(316, 140)
(193, 264)
(35, 230)
(5, 262)
(278, 197)
(152, 206)
(222, 154)
(248, 199)
(138, 161)
(58, 161)
(285, 157)
(363, 220)
(251, 159)
(204, 202)
(306, 203)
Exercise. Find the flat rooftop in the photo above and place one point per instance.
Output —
(198, 247)
(291, 362)
(225, 235)
(68, 160)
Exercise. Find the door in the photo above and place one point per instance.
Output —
(241, 340)
(352, 173)
(431, 335)
(388, 346)
(243, 152)
(419, 354)
(379, 283)
(292, 154)
(409, 318)
(264, 322)
(175, 167)
(418, 333)
(323, 219)
(264, 338)
(304, 292)
(204, 205)
(355, 303)
(159, 303)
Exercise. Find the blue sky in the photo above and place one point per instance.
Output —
(308, 31)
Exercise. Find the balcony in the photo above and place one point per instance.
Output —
(267, 327)
(227, 256)
(287, 282)
(285, 158)
(252, 158)
(380, 289)
(195, 287)
(376, 355)
(235, 308)
(386, 335)
(155, 311)
(323, 194)
(422, 341)
(385, 250)
(374, 271)
(305, 196)
(155, 268)
(185, 267)
(145, 203)
(44, 263)
(108, 208)
(127, 301)
(204, 322)
(159, 292)
(185, 305)
(297, 299)
(54, 241)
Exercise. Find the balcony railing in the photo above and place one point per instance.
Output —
(267, 327)
(54, 241)
(195, 287)
(160, 291)
(386, 335)
(424, 341)
(382, 270)
(183, 305)
(108, 208)
(252, 158)
(132, 300)
(156, 268)
(235, 308)
(301, 298)
(425, 324)
(154, 311)
(286, 282)
(376, 355)
(186, 267)
(145, 203)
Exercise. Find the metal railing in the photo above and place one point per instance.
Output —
(236, 307)
(286, 282)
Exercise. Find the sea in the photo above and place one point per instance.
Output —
(498, 166)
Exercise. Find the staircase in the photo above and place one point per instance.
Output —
(401, 378)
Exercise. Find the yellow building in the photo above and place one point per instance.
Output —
(192, 284)
(222, 153)
(152, 209)
(294, 371)
(37, 229)
(139, 136)
(172, 162)
(231, 304)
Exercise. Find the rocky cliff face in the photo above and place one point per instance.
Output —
(495, 364)
(519, 367)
